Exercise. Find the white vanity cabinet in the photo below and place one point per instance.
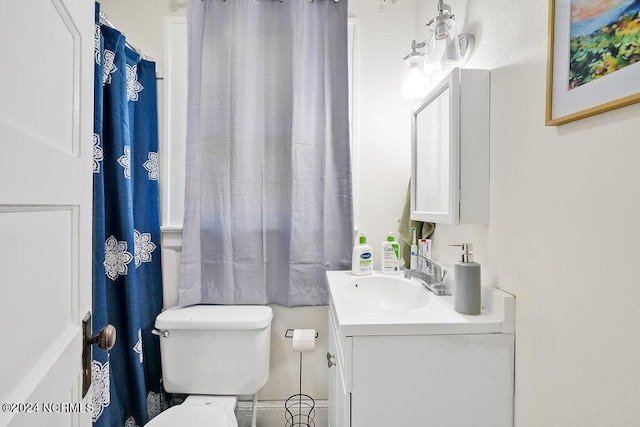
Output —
(453, 380)
(450, 151)
(339, 398)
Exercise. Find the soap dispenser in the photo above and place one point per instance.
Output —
(467, 283)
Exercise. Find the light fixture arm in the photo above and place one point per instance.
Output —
(466, 40)
(443, 8)
(444, 12)
(420, 45)
(414, 49)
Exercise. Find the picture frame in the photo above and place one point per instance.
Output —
(593, 62)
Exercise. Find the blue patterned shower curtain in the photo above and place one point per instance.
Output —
(127, 282)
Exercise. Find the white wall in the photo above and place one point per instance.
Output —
(142, 21)
(563, 230)
(384, 155)
(384, 117)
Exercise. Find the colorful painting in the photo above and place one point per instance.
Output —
(605, 37)
(593, 61)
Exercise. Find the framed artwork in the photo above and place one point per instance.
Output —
(593, 62)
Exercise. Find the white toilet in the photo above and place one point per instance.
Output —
(213, 353)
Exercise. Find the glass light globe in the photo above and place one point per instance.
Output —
(414, 81)
(443, 48)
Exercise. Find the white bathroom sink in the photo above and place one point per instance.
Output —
(382, 304)
(387, 292)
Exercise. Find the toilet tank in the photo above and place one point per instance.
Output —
(215, 349)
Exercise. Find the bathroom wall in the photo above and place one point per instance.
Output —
(384, 126)
(563, 231)
(383, 159)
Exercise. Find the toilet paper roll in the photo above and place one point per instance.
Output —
(304, 340)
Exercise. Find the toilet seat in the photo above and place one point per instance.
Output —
(194, 416)
(198, 411)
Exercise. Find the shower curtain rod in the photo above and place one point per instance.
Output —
(104, 20)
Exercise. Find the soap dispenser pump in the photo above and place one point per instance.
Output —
(467, 299)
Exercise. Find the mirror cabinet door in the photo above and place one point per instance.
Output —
(450, 151)
(432, 156)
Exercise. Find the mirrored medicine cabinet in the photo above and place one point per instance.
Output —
(450, 151)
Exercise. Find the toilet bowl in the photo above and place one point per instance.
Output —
(213, 353)
(199, 410)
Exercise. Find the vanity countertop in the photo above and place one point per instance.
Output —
(429, 315)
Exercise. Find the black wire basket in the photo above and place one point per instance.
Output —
(300, 410)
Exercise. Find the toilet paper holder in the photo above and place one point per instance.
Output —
(289, 333)
(299, 408)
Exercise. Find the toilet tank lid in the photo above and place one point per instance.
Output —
(216, 317)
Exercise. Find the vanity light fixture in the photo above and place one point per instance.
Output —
(384, 2)
(444, 49)
(414, 80)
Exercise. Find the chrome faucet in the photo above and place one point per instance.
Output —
(432, 276)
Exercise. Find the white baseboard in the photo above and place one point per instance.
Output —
(271, 413)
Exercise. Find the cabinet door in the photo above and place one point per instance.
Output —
(450, 151)
(433, 381)
(339, 399)
(435, 138)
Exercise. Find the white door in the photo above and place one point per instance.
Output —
(46, 110)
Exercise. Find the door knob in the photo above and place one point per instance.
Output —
(105, 339)
(330, 361)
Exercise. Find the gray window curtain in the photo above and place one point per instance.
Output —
(268, 182)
